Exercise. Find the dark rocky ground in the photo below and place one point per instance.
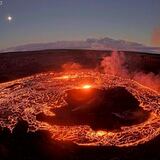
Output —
(20, 64)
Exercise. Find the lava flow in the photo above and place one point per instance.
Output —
(45, 95)
(86, 86)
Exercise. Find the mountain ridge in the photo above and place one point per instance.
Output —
(105, 43)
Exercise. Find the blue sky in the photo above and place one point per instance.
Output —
(52, 20)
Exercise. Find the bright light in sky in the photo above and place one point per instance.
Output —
(9, 18)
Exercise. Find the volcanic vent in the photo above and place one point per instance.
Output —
(99, 108)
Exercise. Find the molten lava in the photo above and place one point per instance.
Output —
(65, 77)
(27, 97)
(101, 133)
(87, 86)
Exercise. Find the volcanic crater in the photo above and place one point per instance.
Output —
(99, 108)
(107, 111)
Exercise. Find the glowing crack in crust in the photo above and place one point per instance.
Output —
(40, 93)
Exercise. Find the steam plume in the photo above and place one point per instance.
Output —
(116, 65)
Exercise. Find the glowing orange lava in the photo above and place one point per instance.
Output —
(65, 77)
(101, 133)
(87, 86)
(32, 95)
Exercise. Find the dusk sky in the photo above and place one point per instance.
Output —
(36, 21)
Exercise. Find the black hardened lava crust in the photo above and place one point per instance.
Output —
(98, 108)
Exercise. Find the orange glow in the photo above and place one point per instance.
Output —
(101, 133)
(65, 77)
(87, 86)
(49, 93)
(156, 36)
(110, 133)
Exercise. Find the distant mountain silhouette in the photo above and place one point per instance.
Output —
(93, 43)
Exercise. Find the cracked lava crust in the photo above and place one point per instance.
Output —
(85, 107)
